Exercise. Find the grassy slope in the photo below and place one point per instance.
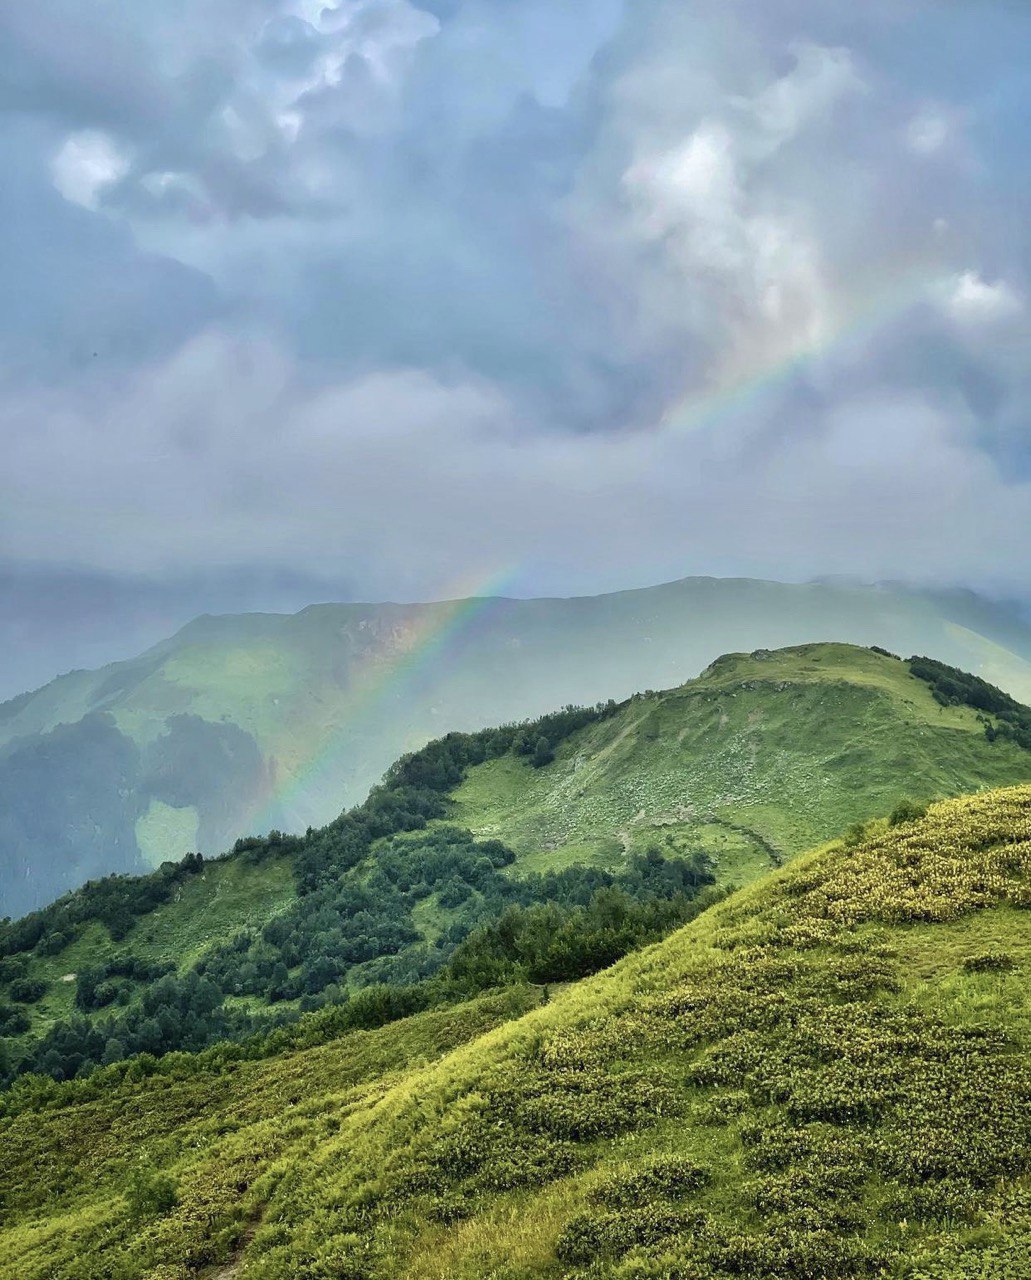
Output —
(855, 1099)
(780, 750)
(222, 1133)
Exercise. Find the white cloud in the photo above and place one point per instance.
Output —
(399, 479)
(970, 300)
(928, 132)
(807, 95)
(87, 163)
(743, 248)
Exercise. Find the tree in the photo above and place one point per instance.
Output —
(114, 1051)
(28, 990)
(542, 753)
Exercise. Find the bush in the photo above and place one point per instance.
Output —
(28, 990)
(13, 1020)
(906, 811)
(150, 1194)
(989, 962)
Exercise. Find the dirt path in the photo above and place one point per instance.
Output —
(231, 1268)
(772, 852)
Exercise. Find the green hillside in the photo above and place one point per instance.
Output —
(539, 852)
(825, 1075)
(261, 721)
(763, 756)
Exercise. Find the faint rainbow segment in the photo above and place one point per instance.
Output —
(895, 289)
(433, 631)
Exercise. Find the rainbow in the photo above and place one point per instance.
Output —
(441, 624)
(911, 286)
(436, 627)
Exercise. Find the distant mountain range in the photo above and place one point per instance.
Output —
(250, 722)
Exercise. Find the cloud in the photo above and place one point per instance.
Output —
(387, 290)
(927, 132)
(970, 300)
(401, 483)
(87, 163)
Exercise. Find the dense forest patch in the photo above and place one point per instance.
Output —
(954, 688)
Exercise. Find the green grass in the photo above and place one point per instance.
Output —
(220, 1132)
(782, 749)
(807, 1081)
(228, 896)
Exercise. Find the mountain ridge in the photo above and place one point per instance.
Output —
(296, 715)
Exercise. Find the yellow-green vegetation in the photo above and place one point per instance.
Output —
(766, 754)
(158, 1171)
(824, 1076)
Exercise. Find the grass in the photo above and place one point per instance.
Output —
(765, 752)
(64, 1169)
(228, 896)
(807, 1080)
(761, 757)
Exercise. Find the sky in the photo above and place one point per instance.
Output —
(401, 299)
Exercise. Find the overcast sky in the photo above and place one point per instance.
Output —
(395, 299)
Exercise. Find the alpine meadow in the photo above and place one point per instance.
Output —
(515, 640)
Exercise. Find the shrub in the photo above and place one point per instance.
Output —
(987, 962)
(906, 811)
(150, 1193)
(28, 990)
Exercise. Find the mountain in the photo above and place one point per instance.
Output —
(262, 721)
(764, 755)
(825, 1074)
(541, 851)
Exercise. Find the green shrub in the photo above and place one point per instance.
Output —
(906, 811)
(668, 1178)
(150, 1193)
(989, 962)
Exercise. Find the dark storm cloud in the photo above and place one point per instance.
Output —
(397, 293)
